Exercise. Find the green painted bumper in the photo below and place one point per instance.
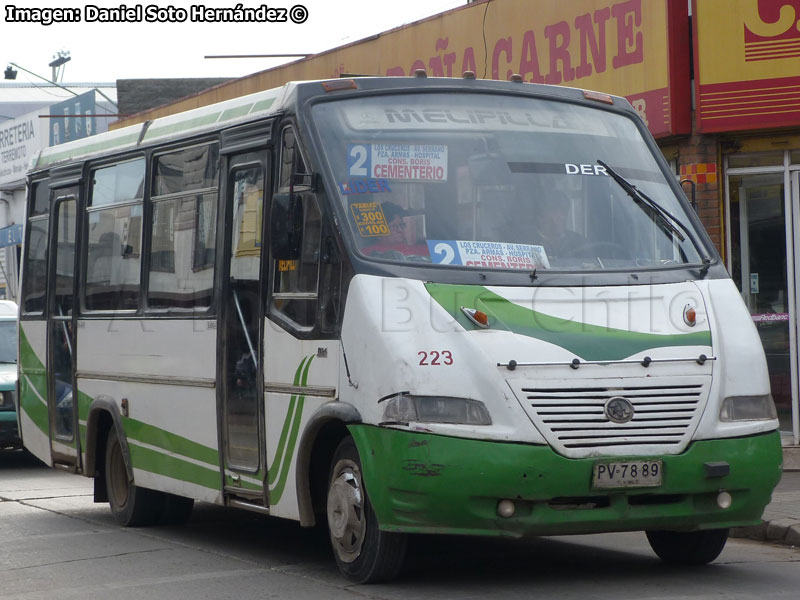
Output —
(426, 483)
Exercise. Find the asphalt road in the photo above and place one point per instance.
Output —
(55, 543)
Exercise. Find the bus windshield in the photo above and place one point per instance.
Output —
(500, 182)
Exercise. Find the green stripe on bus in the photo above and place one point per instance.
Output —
(589, 342)
(84, 403)
(232, 113)
(156, 462)
(170, 442)
(272, 472)
(32, 406)
(28, 361)
(88, 149)
(32, 384)
(263, 105)
(180, 126)
(274, 469)
(276, 493)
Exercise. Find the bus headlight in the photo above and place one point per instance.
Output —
(748, 408)
(405, 408)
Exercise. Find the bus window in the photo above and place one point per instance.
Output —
(113, 249)
(184, 229)
(41, 199)
(35, 267)
(65, 257)
(295, 282)
(62, 360)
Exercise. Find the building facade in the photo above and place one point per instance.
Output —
(34, 116)
(716, 82)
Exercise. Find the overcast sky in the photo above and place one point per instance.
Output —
(105, 52)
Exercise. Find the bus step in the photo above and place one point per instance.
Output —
(264, 510)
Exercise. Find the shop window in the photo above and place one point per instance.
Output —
(755, 159)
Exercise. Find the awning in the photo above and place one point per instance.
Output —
(10, 236)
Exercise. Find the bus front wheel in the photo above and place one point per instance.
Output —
(688, 547)
(131, 506)
(364, 553)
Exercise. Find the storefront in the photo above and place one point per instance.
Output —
(761, 204)
(20, 140)
(747, 110)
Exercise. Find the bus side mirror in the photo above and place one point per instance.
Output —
(286, 226)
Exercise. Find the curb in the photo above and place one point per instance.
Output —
(780, 531)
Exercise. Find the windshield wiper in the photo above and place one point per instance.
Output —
(666, 219)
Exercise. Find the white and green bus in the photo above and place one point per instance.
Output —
(395, 306)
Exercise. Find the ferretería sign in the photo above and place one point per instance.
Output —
(20, 140)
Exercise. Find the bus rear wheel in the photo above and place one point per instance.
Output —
(131, 506)
(363, 552)
(688, 547)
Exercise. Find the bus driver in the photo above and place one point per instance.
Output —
(401, 242)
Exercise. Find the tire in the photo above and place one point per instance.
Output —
(688, 547)
(131, 506)
(363, 552)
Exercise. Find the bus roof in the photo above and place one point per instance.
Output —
(205, 118)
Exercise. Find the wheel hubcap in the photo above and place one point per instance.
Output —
(346, 520)
(118, 476)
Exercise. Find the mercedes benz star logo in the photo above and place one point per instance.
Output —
(619, 409)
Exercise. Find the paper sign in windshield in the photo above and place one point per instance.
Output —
(409, 162)
(488, 255)
(369, 219)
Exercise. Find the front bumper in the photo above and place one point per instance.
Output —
(423, 483)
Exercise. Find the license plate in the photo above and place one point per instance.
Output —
(640, 473)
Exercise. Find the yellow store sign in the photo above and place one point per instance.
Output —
(633, 48)
(754, 83)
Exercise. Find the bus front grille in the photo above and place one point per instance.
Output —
(575, 422)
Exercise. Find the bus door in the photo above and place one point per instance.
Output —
(240, 340)
(62, 396)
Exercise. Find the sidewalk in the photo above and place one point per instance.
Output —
(781, 520)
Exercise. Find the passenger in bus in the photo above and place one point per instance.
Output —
(401, 242)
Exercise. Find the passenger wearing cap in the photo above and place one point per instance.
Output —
(400, 243)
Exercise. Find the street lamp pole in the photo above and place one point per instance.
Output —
(59, 59)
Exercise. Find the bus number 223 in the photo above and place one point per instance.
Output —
(435, 358)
